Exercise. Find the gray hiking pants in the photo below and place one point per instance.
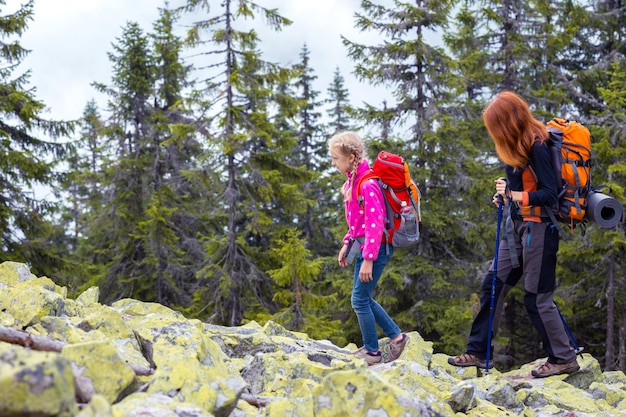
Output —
(536, 245)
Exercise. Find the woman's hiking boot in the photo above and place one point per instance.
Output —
(550, 369)
(467, 359)
(372, 358)
(396, 348)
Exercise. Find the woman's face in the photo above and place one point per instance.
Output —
(342, 162)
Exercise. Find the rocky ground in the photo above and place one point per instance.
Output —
(66, 357)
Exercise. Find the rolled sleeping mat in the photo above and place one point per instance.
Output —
(603, 210)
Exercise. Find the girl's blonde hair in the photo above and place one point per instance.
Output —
(513, 128)
(348, 143)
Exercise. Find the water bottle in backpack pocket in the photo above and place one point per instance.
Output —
(408, 233)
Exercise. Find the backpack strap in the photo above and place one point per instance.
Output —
(573, 191)
(389, 224)
(368, 175)
(392, 194)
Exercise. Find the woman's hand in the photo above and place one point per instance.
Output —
(503, 191)
(501, 187)
(365, 274)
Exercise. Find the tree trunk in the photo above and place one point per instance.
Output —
(610, 318)
(622, 341)
(29, 340)
(46, 344)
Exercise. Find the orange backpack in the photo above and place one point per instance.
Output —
(570, 149)
(402, 198)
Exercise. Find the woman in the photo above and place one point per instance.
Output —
(520, 142)
(366, 227)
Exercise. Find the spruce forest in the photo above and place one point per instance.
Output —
(206, 186)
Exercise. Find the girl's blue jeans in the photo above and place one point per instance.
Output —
(368, 312)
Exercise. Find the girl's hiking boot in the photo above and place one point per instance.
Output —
(467, 359)
(372, 358)
(549, 369)
(362, 348)
(396, 348)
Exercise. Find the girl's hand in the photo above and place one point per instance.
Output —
(365, 274)
(342, 256)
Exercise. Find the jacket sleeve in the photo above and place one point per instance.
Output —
(546, 193)
(374, 218)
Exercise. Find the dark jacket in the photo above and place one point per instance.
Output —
(538, 183)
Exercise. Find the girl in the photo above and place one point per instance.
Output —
(366, 226)
(520, 142)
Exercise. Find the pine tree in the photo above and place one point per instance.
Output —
(29, 153)
(340, 110)
(81, 188)
(146, 234)
(309, 132)
(414, 79)
(82, 182)
(313, 155)
(301, 308)
(126, 159)
(258, 188)
(175, 215)
(507, 29)
(592, 38)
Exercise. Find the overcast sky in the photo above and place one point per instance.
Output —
(69, 41)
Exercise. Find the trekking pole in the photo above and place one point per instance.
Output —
(493, 282)
(577, 349)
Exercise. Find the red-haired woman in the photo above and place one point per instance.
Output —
(520, 142)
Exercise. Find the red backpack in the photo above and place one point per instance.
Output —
(402, 198)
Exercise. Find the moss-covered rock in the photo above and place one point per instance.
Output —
(35, 383)
(362, 391)
(98, 364)
(12, 273)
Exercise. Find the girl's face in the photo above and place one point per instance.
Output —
(342, 162)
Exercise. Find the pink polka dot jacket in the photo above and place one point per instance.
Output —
(368, 221)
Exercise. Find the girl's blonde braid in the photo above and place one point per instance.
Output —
(357, 151)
